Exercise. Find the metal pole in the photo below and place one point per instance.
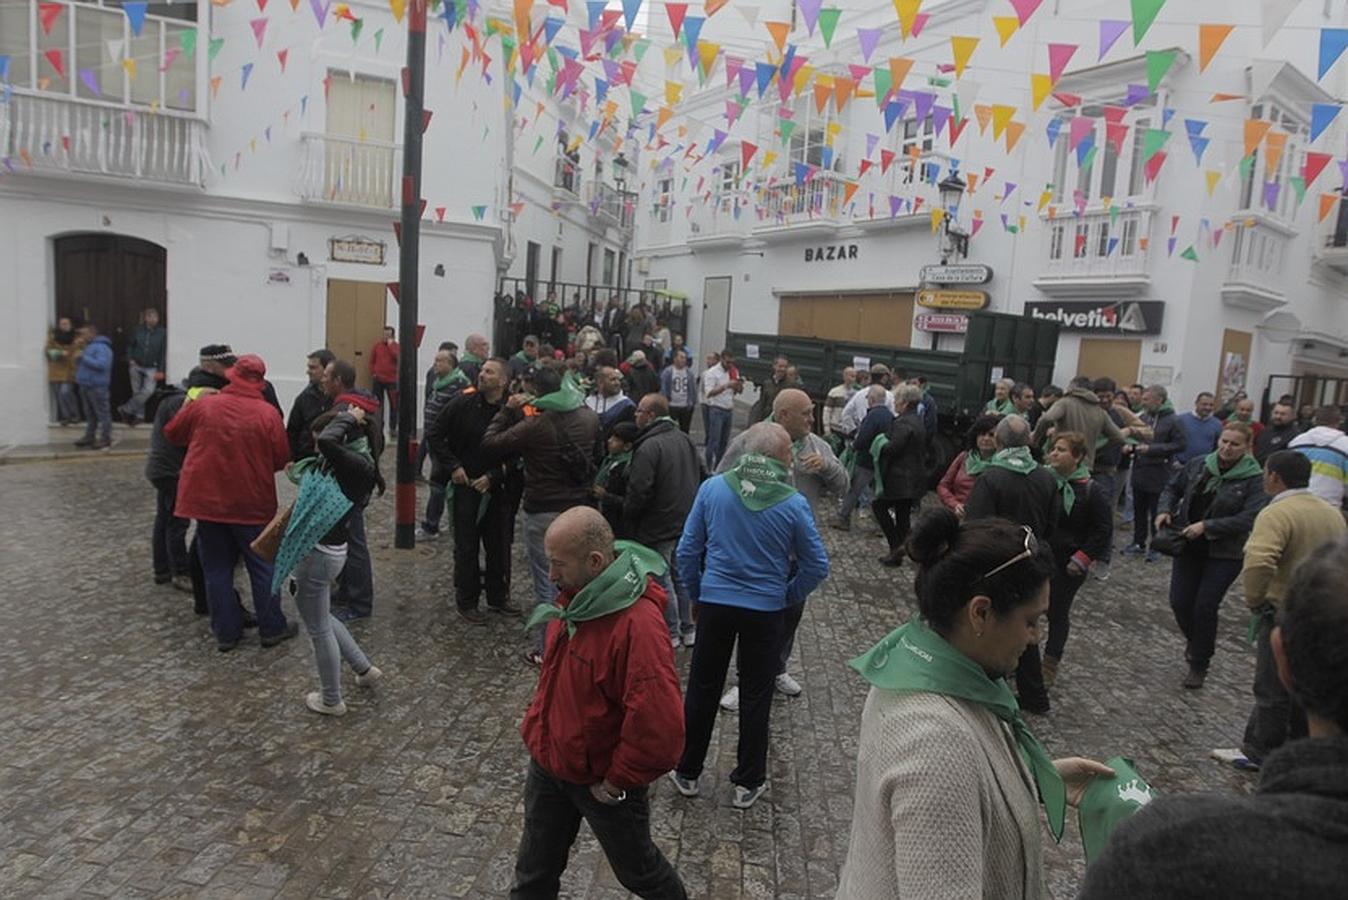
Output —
(414, 84)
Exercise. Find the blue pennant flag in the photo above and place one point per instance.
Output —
(1322, 116)
(135, 15)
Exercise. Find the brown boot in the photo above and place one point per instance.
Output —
(1050, 667)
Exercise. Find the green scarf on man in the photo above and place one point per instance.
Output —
(611, 462)
(759, 482)
(1069, 494)
(1000, 407)
(453, 376)
(1247, 467)
(564, 399)
(915, 659)
(1014, 459)
(878, 446)
(468, 356)
(612, 590)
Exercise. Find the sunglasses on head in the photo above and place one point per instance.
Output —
(1031, 547)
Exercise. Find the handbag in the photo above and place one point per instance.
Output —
(1169, 540)
(268, 540)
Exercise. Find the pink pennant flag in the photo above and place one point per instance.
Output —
(733, 65)
(1058, 57)
(169, 56)
(259, 28)
(920, 22)
(1025, 9)
(858, 72)
(1081, 127)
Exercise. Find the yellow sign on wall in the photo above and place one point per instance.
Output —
(933, 299)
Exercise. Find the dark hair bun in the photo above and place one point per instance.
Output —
(932, 537)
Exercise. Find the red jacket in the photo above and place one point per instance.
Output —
(235, 444)
(608, 703)
(956, 484)
(384, 361)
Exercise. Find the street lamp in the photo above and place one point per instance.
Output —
(620, 172)
(954, 239)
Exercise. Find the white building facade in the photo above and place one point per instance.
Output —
(1183, 237)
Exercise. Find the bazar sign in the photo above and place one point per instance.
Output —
(971, 273)
(952, 299)
(942, 323)
(1123, 317)
(837, 252)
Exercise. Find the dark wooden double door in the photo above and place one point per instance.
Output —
(110, 280)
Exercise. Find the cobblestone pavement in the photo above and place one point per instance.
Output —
(138, 761)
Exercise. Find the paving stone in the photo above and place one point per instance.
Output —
(141, 762)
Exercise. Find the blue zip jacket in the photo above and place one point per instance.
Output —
(95, 365)
(1200, 436)
(765, 560)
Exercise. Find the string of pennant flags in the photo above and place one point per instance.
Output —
(577, 71)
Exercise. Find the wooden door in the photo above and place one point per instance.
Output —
(881, 318)
(110, 280)
(1109, 357)
(355, 323)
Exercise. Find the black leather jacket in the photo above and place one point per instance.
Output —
(1230, 515)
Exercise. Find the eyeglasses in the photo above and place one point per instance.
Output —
(1031, 547)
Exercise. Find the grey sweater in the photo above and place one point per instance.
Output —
(1289, 840)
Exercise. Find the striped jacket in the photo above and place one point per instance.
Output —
(1327, 449)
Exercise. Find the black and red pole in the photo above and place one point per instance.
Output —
(414, 94)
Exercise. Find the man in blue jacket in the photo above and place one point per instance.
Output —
(1201, 429)
(749, 551)
(93, 374)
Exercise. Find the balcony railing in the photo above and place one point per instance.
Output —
(618, 206)
(818, 199)
(567, 175)
(1098, 245)
(348, 171)
(50, 133)
(1331, 247)
(1258, 255)
(729, 216)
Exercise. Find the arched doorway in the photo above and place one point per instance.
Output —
(110, 279)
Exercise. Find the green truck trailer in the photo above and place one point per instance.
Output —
(997, 345)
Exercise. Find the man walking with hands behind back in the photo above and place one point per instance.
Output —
(607, 719)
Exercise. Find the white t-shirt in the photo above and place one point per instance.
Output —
(714, 378)
(680, 387)
(856, 409)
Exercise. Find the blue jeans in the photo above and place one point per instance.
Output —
(435, 504)
(313, 576)
(678, 615)
(719, 422)
(65, 405)
(220, 544)
(535, 527)
(355, 586)
(142, 389)
(97, 412)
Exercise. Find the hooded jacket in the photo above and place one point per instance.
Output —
(1229, 516)
(662, 482)
(1079, 410)
(608, 704)
(550, 484)
(94, 368)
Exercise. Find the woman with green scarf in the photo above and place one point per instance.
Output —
(958, 481)
(1085, 525)
(1001, 403)
(1213, 501)
(949, 778)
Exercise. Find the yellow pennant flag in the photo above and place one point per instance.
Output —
(673, 55)
(1001, 116)
(673, 90)
(907, 13)
(399, 7)
(962, 48)
(1040, 87)
(129, 65)
(1213, 178)
(706, 54)
(1006, 26)
(1043, 200)
(769, 158)
(937, 216)
(803, 76)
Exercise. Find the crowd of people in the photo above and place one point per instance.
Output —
(641, 545)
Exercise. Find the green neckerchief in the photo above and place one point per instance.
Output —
(564, 399)
(1107, 801)
(611, 462)
(468, 356)
(1069, 494)
(759, 482)
(975, 464)
(878, 445)
(523, 357)
(1014, 459)
(1247, 467)
(452, 377)
(1000, 407)
(915, 659)
(1164, 407)
(297, 470)
(613, 590)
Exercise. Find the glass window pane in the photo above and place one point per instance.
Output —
(145, 49)
(57, 39)
(94, 28)
(14, 42)
(1109, 166)
(1136, 176)
(180, 81)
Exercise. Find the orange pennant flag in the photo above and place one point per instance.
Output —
(1210, 40)
(849, 188)
(962, 48)
(821, 94)
(1255, 130)
(1274, 145)
(842, 93)
(711, 7)
(984, 114)
(779, 31)
(215, 85)
(1219, 98)
(1014, 130)
(1327, 204)
(662, 117)
(899, 67)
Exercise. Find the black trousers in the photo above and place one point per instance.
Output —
(492, 534)
(1030, 670)
(552, 812)
(1144, 514)
(1276, 717)
(684, 416)
(1197, 585)
(169, 549)
(894, 518)
(760, 637)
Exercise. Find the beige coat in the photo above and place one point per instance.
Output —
(1293, 525)
(944, 807)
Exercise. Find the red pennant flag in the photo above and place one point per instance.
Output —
(1315, 164)
(48, 13)
(425, 120)
(886, 160)
(440, 214)
(747, 151)
(957, 129)
(865, 167)
(54, 57)
(393, 289)
(676, 12)
(398, 231)
(281, 57)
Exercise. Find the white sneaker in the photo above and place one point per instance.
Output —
(314, 700)
(689, 638)
(369, 678)
(675, 642)
(788, 685)
(730, 700)
(424, 535)
(686, 786)
(745, 797)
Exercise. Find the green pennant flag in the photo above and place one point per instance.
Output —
(538, 143)
(187, 40)
(1089, 159)
(1189, 254)
(828, 23)
(1246, 166)
(1113, 215)
(357, 27)
(1153, 141)
(1158, 63)
(638, 101)
(1299, 185)
(883, 82)
(1144, 13)
(552, 61)
(507, 45)
(938, 81)
(639, 49)
(479, 212)
(787, 127)
(213, 49)
(378, 40)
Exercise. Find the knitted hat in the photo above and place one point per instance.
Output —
(248, 368)
(217, 352)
